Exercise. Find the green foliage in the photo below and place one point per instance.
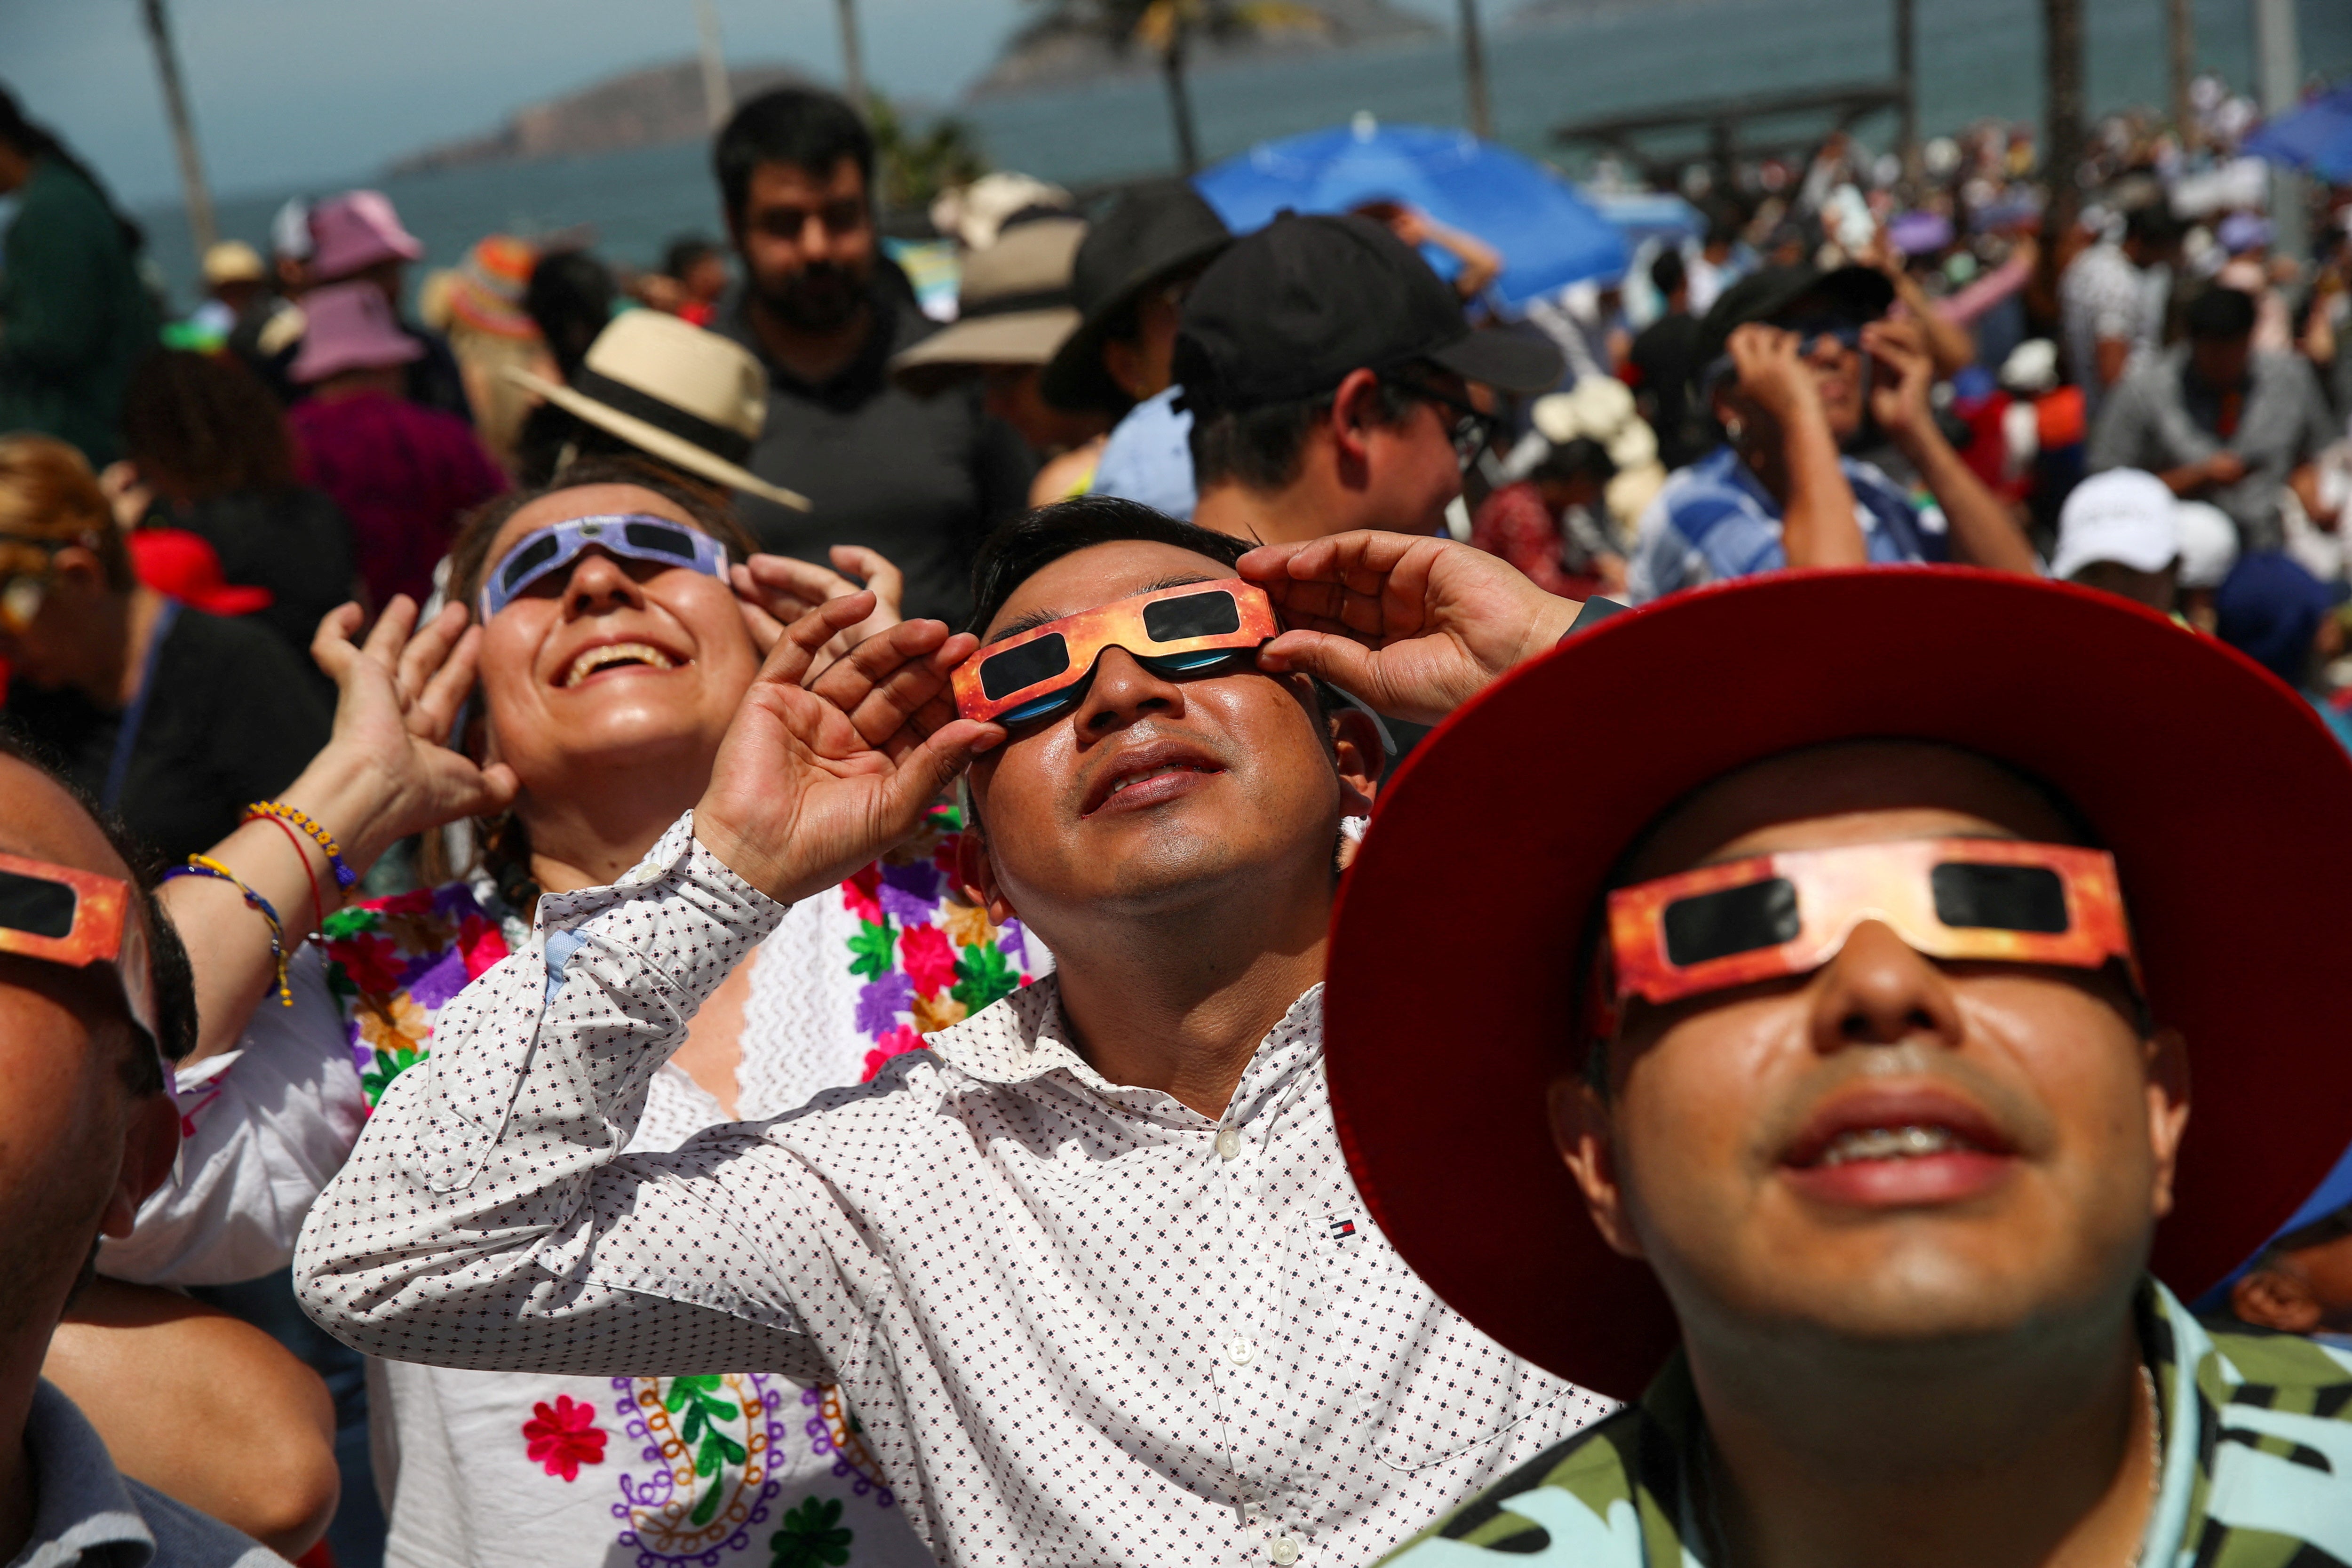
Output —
(913, 167)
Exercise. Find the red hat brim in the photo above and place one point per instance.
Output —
(2222, 794)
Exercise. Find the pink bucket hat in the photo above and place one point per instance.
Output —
(356, 230)
(350, 326)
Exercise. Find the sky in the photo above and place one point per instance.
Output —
(288, 92)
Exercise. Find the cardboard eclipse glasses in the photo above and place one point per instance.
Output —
(635, 536)
(1775, 915)
(1170, 631)
(77, 918)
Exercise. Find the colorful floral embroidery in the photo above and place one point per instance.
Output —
(812, 1535)
(834, 1430)
(929, 958)
(715, 1441)
(563, 1436)
(393, 963)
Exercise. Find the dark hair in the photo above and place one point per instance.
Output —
(804, 127)
(38, 141)
(1667, 273)
(682, 254)
(202, 425)
(1583, 458)
(167, 957)
(569, 297)
(2153, 224)
(1033, 541)
(1259, 449)
(2219, 313)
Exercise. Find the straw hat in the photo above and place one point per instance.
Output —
(350, 326)
(691, 398)
(232, 261)
(1013, 307)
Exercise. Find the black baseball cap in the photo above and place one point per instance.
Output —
(1290, 309)
(1862, 291)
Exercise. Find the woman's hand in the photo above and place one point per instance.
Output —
(777, 590)
(388, 770)
(802, 793)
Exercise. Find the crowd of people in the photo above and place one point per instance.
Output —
(691, 917)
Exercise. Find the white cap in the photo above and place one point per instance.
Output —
(2209, 543)
(2123, 515)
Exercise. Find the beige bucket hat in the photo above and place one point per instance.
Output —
(690, 397)
(1013, 307)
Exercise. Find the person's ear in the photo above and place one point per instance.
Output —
(1581, 1130)
(150, 1142)
(976, 874)
(1358, 754)
(1355, 414)
(2274, 1298)
(2167, 1110)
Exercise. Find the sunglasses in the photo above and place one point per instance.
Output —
(1788, 914)
(1472, 426)
(77, 918)
(635, 536)
(1169, 631)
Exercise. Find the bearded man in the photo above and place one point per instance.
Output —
(920, 479)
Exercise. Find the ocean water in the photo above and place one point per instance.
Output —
(1977, 59)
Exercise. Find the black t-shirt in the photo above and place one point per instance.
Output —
(1664, 355)
(920, 479)
(229, 720)
(296, 543)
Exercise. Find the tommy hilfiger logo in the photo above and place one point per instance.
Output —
(1341, 1229)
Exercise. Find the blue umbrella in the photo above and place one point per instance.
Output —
(1549, 235)
(2316, 135)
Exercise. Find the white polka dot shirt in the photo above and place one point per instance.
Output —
(1081, 1324)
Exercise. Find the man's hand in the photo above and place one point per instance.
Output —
(801, 795)
(1414, 627)
(2224, 468)
(1771, 374)
(776, 590)
(1898, 396)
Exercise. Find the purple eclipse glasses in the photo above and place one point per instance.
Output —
(637, 536)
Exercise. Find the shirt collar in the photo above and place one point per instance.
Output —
(83, 1505)
(1024, 1039)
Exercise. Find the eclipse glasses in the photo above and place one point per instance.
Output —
(634, 535)
(78, 919)
(1046, 669)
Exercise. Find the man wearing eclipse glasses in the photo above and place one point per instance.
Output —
(95, 1003)
(1822, 1081)
(1090, 1268)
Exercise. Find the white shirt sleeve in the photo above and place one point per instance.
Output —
(263, 1128)
(490, 1218)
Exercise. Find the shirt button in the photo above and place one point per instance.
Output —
(1283, 1550)
(1243, 1349)
(1229, 1144)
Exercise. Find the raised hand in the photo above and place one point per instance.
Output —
(1413, 626)
(387, 770)
(1898, 394)
(777, 590)
(1771, 373)
(802, 793)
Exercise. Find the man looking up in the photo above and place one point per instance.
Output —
(921, 481)
(94, 998)
(1327, 372)
(1867, 1086)
(1088, 1268)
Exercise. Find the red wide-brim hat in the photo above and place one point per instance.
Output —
(1454, 977)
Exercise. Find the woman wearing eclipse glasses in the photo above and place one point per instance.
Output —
(617, 619)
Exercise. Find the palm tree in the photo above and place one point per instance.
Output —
(184, 130)
(1168, 27)
(2062, 116)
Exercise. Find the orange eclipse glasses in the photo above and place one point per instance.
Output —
(1170, 631)
(1994, 899)
(77, 918)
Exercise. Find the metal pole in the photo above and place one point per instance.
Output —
(201, 228)
(853, 59)
(2278, 83)
(717, 97)
(1906, 80)
(2180, 18)
(1473, 73)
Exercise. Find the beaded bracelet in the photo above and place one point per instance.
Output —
(344, 875)
(205, 865)
(294, 840)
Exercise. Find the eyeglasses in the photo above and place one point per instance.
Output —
(1788, 914)
(1814, 330)
(1472, 426)
(24, 568)
(78, 919)
(636, 536)
(1170, 631)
